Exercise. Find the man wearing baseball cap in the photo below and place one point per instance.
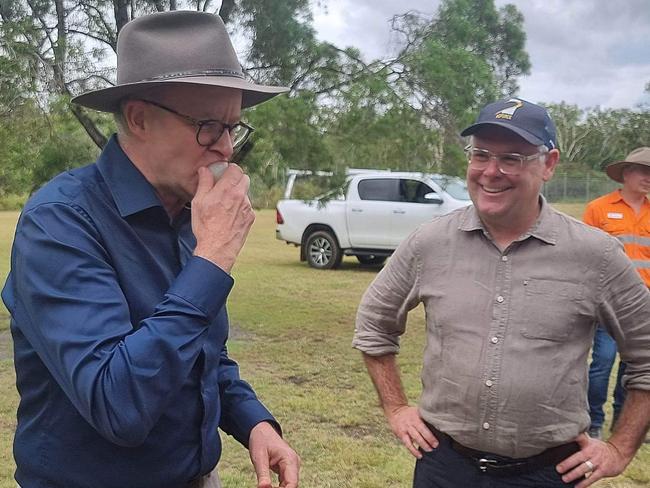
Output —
(512, 292)
(625, 214)
(120, 274)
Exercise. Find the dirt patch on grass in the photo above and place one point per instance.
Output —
(237, 333)
(359, 431)
(297, 380)
(6, 345)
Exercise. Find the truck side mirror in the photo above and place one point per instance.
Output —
(433, 197)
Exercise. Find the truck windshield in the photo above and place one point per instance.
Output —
(453, 185)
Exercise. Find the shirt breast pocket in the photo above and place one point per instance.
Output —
(551, 309)
(614, 227)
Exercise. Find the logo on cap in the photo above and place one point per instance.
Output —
(507, 113)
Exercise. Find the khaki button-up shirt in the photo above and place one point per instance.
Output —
(509, 333)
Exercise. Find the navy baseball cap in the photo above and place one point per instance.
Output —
(527, 120)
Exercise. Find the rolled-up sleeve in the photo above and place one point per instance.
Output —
(625, 312)
(381, 316)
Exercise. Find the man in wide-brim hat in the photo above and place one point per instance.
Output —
(120, 275)
(625, 214)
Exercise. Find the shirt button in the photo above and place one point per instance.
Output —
(500, 299)
(494, 340)
(488, 383)
(486, 425)
(504, 258)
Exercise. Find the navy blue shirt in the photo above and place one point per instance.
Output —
(119, 338)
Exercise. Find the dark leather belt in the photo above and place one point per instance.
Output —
(497, 465)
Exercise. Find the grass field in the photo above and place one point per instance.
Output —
(291, 333)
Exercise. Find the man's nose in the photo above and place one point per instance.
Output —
(223, 145)
(492, 167)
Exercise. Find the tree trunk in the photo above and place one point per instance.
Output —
(121, 10)
(89, 126)
(227, 7)
(60, 53)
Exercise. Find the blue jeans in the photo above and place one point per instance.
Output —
(445, 468)
(603, 358)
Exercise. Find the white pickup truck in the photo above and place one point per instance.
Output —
(368, 217)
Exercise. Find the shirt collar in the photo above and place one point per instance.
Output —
(614, 197)
(617, 197)
(131, 191)
(545, 227)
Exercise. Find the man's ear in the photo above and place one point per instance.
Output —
(552, 158)
(134, 113)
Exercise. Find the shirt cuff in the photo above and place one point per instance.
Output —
(204, 285)
(249, 414)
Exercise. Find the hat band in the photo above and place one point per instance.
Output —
(209, 72)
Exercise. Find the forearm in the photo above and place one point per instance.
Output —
(633, 423)
(385, 375)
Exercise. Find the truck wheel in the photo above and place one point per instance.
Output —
(323, 252)
(371, 259)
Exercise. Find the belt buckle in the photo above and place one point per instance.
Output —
(484, 464)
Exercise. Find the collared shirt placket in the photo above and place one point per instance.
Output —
(496, 338)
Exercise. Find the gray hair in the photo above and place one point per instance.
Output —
(120, 119)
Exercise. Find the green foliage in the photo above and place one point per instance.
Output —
(20, 139)
(280, 36)
(66, 146)
(35, 146)
(494, 37)
(288, 134)
(341, 112)
(372, 128)
(594, 137)
(452, 64)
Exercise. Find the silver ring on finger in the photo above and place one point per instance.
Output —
(590, 465)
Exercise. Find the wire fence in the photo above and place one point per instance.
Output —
(570, 188)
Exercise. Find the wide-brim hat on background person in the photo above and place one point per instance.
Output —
(184, 47)
(640, 155)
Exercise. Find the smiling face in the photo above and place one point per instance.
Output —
(636, 179)
(163, 145)
(508, 201)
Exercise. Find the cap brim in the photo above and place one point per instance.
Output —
(524, 134)
(108, 99)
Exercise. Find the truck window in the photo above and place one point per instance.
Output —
(386, 189)
(413, 191)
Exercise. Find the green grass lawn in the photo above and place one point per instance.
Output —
(291, 333)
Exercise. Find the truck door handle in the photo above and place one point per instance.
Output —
(399, 211)
(357, 210)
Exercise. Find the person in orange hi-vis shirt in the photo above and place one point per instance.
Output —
(625, 214)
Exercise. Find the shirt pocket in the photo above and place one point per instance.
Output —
(615, 227)
(552, 309)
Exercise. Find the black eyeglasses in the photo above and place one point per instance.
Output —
(507, 163)
(209, 131)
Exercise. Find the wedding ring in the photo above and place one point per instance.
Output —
(590, 465)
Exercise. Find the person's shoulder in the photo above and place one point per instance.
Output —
(603, 201)
(69, 187)
(442, 226)
(580, 233)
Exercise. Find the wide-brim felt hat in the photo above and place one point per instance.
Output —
(178, 47)
(640, 155)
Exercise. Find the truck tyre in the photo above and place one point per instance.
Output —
(371, 259)
(322, 250)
